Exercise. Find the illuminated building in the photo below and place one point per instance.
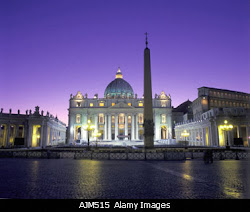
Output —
(30, 129)
(210, 110)
(118, 115)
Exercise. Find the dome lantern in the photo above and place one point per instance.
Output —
(119, 88)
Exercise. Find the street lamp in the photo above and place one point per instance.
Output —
(97, 135)
(226, 127)
(88, 127)
(185, 134)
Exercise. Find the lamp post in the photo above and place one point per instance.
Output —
(88, 127)
(97, 135)
(185, 134)
(226, 127)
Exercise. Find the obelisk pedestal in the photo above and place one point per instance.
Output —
(148, 109)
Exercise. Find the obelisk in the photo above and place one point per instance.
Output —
(148, 109)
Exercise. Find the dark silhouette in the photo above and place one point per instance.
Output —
(208, 156)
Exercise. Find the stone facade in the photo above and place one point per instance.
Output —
(30, 129)
(117, 116)
(210, 110)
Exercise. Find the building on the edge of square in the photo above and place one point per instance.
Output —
(209, 112)
(30, 129)
(118, 115)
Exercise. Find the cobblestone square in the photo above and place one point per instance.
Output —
(121, 179)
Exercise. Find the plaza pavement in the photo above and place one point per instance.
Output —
(93, 179)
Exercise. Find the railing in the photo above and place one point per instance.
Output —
(171, 154)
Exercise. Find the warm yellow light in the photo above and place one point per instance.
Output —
(225, 122)
(91, 104)
(185, 133)
(140, 104)
(101, 104)
(113, 104)
(129, 104)
(89, 121)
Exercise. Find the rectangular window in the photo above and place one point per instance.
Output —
(113, 104)
(78, 118)
(113, 119)
(91, 104)
(129, 104)
(140, 118)
(163, 118)
(140, 104)
(101, 104)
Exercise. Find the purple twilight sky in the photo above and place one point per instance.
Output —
(52, 48)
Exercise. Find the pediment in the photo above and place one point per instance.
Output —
(121, 105)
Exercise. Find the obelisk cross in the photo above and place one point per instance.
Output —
(146, 39)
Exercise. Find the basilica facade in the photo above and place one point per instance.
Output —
(118, 115)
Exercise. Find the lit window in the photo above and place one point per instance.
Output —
(113, 104)
(101, 118)
(163, 118)
(129, 104)
(129, 119)
(78, 118)
(101, 104)
(91, 105)
(140, 118)
(113, 119)
(78, 104)
(140, 104)
(121, 119)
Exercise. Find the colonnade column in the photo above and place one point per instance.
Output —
(116, 126)
(41, 136)
(126, 126)
(45, 135)
(29, 143)
(8, 135)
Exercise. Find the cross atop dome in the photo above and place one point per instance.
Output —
(119, 74)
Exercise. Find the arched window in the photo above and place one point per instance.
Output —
(101, 118)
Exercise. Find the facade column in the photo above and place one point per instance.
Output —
(132, 127)
(109, 128)
(96, 122)
(83, 131)
(239, 132)
(30, 131)
(105, 127)
(116, 126)
(70, 129)
(17, 131)
(50, 135)
(126, 126)
(41, 136)
(203, 137)
(8, 135)
(136, 127)
(45, 136)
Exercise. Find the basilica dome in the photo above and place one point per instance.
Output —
(119, 88)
